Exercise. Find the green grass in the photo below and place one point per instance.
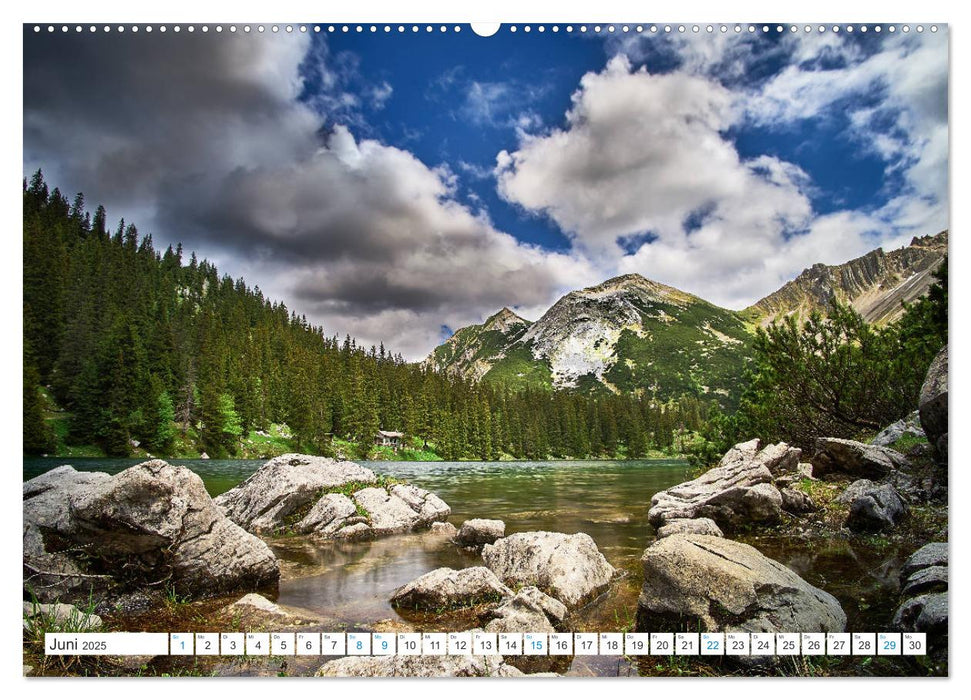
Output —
(275, 442)
(37, 623)
(905, 443)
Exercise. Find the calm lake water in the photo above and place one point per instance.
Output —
(351, 582)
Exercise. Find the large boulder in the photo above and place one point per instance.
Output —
(445, 589)
(836, 456)
(933, 404)
(150, 526)
(479, 532)
(568, 567)
(738, 492)
(873, 507)
(401, 508)
(287, 485)
(693, 526)
(328, 499)
(419, 666)
(697, 582)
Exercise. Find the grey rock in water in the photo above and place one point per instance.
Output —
(933, 404)
(254, 602)
(852, 458)
(568, 567)
(153, 524)
(446, 529)
(690, 526)
(738, 492)
(875, 508)
(697, 582)
(285, 485)
(329, 515)
(924, 590)
(797, 502)
(445, 588)
(61, 614)
(530, 610)
(909, 426)
(419, 667)
(924, 613)
(933, 579)
(402, 508)
(296, 493)
(931, 554)
(479, 532)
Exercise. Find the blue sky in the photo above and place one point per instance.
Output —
(391, 185)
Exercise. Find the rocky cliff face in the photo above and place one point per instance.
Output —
(628, 334)
(874, 284)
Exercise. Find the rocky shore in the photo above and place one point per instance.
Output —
(100, 549)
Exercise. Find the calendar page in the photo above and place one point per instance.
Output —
(424, 349)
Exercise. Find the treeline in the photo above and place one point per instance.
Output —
(140, 346)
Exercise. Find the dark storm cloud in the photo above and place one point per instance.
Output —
(213, 139)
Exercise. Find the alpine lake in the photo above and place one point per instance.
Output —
(349, 583)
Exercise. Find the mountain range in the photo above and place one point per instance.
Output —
(633, 335)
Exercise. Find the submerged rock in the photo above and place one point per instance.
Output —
(446, 529)
(697, 582)
(852, 458)
(873, 507)
(933, 404)
(738, 492)
(150, 526)
(450, 588)
(692, 526)
(299, 494)
(254, 602)
(568, 567)
(478, 532)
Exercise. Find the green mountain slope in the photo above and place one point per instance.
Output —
(628, 335)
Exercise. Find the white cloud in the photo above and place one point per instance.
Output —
(644, 153)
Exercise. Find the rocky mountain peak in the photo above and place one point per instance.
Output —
(504, 320)
(875, 284)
